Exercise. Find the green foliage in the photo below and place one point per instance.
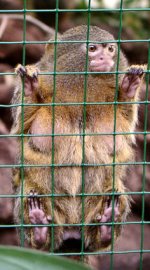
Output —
(13, 258)
(134, 22)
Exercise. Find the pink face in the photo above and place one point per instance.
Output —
(101, 57)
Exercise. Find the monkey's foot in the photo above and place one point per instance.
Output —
(30, 75)
(37, 216)
(132, 81)
(109, 210)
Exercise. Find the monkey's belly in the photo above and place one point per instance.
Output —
(70, 178)
(70, 181)
(68, 172)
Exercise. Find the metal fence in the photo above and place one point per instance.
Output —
(88, 11)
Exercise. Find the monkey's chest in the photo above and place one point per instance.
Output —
(72, 141)
(72, 144)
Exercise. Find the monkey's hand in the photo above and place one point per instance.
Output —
(132, 81)
(37, 216)
(107, 216)
(30, 76)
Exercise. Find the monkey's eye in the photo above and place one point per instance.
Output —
(111, 48)
(92, 48)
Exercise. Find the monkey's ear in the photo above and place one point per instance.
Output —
(50, 46)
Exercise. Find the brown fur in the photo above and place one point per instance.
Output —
(99, 149)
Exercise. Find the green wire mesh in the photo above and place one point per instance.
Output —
(89, 11)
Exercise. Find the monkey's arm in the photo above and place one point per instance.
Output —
(129, 92)
(35, 84)
(30, 76)
(36, 90)
(131, 83)
(26, 91)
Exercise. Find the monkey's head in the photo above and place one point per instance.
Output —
(98, 54)
(101, 56)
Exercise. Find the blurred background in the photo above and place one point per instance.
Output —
(40, 26)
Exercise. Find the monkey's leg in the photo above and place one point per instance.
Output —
(132, 81)
(30, 75)
(38, 216)
(99, 237)
(108, 215)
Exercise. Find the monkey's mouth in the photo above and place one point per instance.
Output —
(71, 235)
(72, 242)
(101, 65)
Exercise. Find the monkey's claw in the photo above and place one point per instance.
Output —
(30, 75)
(136, 71)
(28, 71)
(110, 209)
(132, 81)
(20, 70)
